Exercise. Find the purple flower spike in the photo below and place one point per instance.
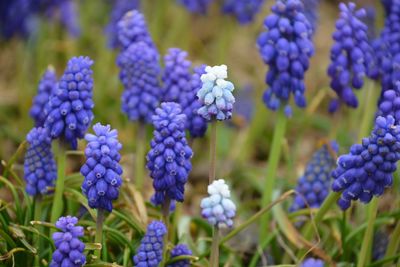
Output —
(351, 54)
(102, 170)
(169, 158)
(311, 12)
(46, 88)
(70, 107)
(314, 185)
(139, 73)
(120, 7)
(149, 253)
(311, 262)
(69, 248)
(132, 28)
(390, 104)
(40, 169)
(368, 168)
(180, 250)
(196, 6)
(286, 47)
(243, 10)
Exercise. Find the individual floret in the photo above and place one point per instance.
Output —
(180, 250)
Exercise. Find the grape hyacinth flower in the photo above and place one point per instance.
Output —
(215, 94)
(119, 9)
(139, 74)
(169, 157)
(368, 169)
(180, 250)
(102, 170)
(40, 169)
(349, 54)
(196, 6)
(286, 47)
(218, 208)
(311, 262)
(380, 244)
(69, 17)
(150, 250)
(70, 107)
(313, 186)
(132, 28)
(195, 123)
(311, 12)
(46, 88)
(390, 104)
(69, 248)
(243, 10)
(176, 76)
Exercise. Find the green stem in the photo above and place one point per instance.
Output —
(213, 152)
(38, 217)
(273, 162)
(394, 243)
(58, 204)
(165, 213)
(140, 155)
(214, 258)
(368, 111)
(364, 256)
(99, 231)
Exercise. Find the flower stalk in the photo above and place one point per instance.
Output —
(58, 205)
(99, 230)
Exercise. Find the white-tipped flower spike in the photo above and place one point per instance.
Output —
(215, 94)
(218, 208)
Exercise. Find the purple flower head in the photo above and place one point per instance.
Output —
(196, 6)
(349, 54)
(390, 104)
(69, 248)
(314, 185)
(389, 47)
(286, 47)
(69, 17)
(139, 74)
(40, 169)
(132, 28)
(70, 107)
(379, 245)
(215, 94)
(311, 262)
(46, 88)
(180, 250)
(169, 157)
(15, 18)
(243, 10)
(311, 12)
(102, 170)
(387, 5)
(218, 208)
(368, 168)
(119, 8)
(149, 253)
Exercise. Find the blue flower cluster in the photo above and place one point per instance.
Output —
(243, 10)
(286, 47)
(132, 28)
(46, 88)
(70, 108)
(311, 262)
(180, 250)
(218, 208)
(311, 12)
(368, 169)
(176, 76)
(196, 6)
(139, 73)
(169, 157)
(69, 249)
(195, 123)
(40, 169)
(102, 170)
(389, 53)
(313, 186)
(349, 54)
(215, 94)
(149, 253)
(390, 104)
(119, 8)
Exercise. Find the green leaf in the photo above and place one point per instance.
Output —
(130, 221)
(15, 196)
(10, 253)
(92, 246)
